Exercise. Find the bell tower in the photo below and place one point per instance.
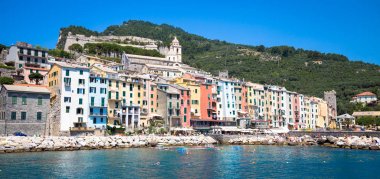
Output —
(175, 51)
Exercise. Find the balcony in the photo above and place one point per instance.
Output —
(98, 114)
(81, 129)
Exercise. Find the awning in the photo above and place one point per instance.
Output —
(181, 129)
(345, 116)
(208, 120)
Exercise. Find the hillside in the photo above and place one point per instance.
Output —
(281, 65)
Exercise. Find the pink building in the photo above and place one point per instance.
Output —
(28, 70)
(296, 109)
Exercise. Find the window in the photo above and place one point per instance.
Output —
(23, 115)
(79, 111)
(67, 99)
(185, 110)
(24, 100)
(13, 115)
(184, 118)
(81, 72)
(103, 91)
(40, 100)
(151, 95)
(67, 109)
(39, 116)
(67, 73)
(67, 81)
(123, 93)
(80, 101)
(117, 84)
(14, 99)
(94, 120)
(81, 81)
(103, 101)
(92, 89)
(80, 91)
(196, 90)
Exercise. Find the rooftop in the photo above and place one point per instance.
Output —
(27, 88)
(367, 93)
(69, 65)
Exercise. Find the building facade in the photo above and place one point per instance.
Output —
(24, 108)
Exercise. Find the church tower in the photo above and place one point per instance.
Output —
(175, 51)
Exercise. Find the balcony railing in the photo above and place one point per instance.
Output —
(98, 114)
(82, 129)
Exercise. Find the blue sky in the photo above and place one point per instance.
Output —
(347, 27)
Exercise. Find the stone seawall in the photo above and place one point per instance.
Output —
(37, 144)
(335, 133)
(348, 142)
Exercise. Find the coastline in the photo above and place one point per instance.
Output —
(13, 144)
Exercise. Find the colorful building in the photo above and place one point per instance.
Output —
(69, 84)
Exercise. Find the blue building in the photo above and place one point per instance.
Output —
(98, 101)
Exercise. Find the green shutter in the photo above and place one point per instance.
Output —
(14, 99)
(39, 115)
(13, 115)
(24, 100)
(39, 100)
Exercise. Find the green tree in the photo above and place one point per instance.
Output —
(59, 53)
(2, 47)
(76, 48)
(6, 80)
(37, 77)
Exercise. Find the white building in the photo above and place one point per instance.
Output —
(365, 97)
(302, 120)
(173, 56)
(130, 116)
(70, 83)
(23, 54)
(226, 108)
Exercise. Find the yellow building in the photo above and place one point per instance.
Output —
(322, 120)
(195, 90)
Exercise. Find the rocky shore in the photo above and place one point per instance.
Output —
(351, 142)
(37, 144)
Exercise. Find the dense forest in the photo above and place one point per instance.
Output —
(296, 69)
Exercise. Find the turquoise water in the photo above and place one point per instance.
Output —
(229, 162)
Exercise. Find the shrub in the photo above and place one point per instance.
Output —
(6, 80)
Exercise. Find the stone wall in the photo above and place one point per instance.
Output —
(30, 125)
(335, 133)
